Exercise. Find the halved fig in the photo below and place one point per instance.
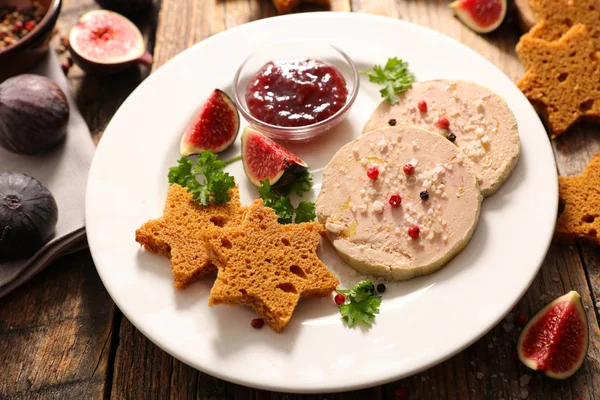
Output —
(482, 16)
(106, 42)
(555, 341)
(214, 127)
(263, 158)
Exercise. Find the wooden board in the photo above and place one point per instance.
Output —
(62, 337)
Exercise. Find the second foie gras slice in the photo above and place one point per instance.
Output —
(479, 121)
(371, 234)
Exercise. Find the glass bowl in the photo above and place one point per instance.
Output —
(295, 49)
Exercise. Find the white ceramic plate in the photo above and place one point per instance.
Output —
(422, 321)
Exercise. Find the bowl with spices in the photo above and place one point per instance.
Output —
(296, 90)
(26, 28)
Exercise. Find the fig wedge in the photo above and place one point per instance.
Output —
(555, 341)
(482, 16)
(214, 127)
(263, 158)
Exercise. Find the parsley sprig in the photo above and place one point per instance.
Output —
(215, 183)
(279, 199)
(361, 304)
(394, 76)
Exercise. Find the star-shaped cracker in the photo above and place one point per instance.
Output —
(562, 78)
(268, 266)
(285, 6)
(178, 233)
(556, 17)
(579, 217)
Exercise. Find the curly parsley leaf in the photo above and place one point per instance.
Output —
(305, 212)
(182, 173)
(279, 200)
(362, 304)
(394, 76)
(302, 184)
(215, 183)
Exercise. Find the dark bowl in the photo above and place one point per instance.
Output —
(25, 53)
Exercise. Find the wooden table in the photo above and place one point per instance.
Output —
(62, 337)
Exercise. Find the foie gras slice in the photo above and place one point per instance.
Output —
(483, 126)
(372, 235)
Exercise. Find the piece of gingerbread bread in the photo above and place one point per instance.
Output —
(579, 213)
(562, 78)
(178, 233)
(268, 266)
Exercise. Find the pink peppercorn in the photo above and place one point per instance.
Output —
(257, 323)
(372, 172)
(395, 200)
(401, 392)
(443, 123)
(414, 231)
(339, 299)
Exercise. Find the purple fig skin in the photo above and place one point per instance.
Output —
(108, 68)
(126, 7)
(28, 215)
(33, 114)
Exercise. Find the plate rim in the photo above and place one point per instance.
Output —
(324, 387)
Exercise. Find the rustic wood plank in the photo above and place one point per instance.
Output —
(141, 370)
(378, 7)
(55, 334)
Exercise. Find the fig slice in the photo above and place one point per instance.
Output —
(482, 16)
(263, 158)
(106, 42)
(555, 341)
(214, 127)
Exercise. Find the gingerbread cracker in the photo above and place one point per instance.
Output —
(562, 78)
(268, 266)
(285, 6)
(556, 17)
(579, 213)
(178, 233)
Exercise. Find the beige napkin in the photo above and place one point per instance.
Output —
(64, 171)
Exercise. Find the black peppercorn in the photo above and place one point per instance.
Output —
(392, 122)
(381, 288)
(424, 195)
(451, 136)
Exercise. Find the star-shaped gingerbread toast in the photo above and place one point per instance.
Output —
(178, 233)
(562, 78)
(556, 17)
(286, 6)
(268, 266)
(579, 217)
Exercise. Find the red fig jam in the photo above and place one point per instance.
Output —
(296, 92)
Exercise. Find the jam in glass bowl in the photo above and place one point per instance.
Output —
(296, 90)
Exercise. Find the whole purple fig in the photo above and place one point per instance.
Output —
(28, 215)
(33, 114)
